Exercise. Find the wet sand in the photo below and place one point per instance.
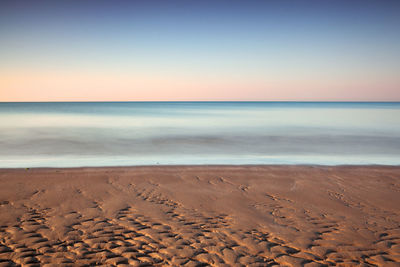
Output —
(200, 216)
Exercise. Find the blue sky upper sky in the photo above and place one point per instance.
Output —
(199, 50)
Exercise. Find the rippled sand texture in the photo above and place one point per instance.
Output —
(200, 216)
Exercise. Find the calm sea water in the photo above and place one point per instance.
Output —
(148, 133)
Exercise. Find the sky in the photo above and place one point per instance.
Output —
(200, 50)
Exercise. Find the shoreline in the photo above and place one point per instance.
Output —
(197, 215)
(207, 166)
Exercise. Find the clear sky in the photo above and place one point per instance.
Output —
(199, 50)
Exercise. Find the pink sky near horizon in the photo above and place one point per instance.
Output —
(39, 86)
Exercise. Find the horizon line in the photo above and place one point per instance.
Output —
(212, 101)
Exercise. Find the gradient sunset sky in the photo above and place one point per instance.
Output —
(199, 50)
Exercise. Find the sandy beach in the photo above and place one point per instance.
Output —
(201, 216)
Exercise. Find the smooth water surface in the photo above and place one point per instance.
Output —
(147, 133)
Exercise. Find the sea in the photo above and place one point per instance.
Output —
(76, 134)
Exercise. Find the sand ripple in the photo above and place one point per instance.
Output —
(200, 216)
